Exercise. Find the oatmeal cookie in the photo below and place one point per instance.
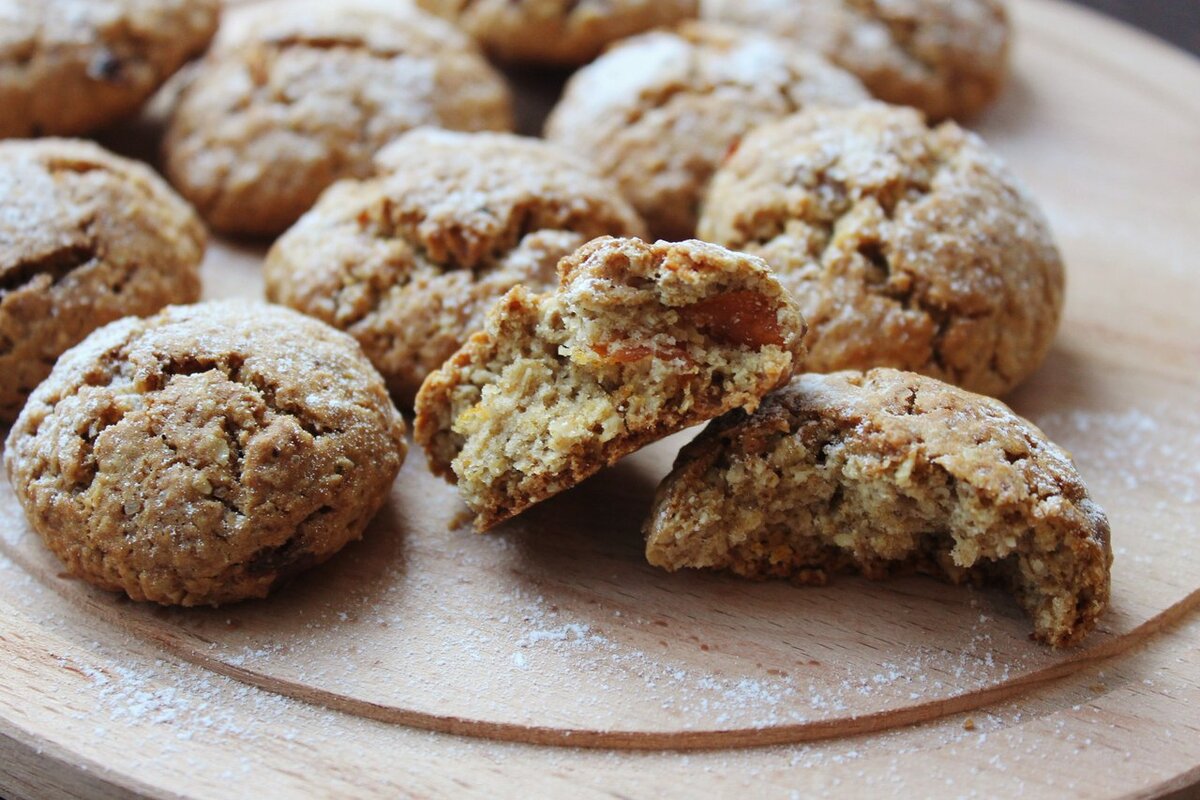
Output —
(948, 58)
(658, 112)
(410, 261)
(637, 342)
(883, 472)
(69, 67)
(298, 95)
(199, 456)
(86, 237)
(906, 246)
(561, 32)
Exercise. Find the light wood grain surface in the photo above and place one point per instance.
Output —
(426, 660)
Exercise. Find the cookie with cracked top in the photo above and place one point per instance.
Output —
(883, 472)
(86, 237)
(297, 95)
(409, 262)
(199, 456)
(907, 246)
(658, 112)
(70, 67)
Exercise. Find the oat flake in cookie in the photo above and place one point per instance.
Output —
(638, 341)
(410, 261)
(296, 95)
(86, 237)
(906, 246)
(201, 455)
(69, 67)
(882, 472)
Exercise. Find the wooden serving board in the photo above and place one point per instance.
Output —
(549, 656)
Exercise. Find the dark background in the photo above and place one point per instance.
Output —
(1177, 21)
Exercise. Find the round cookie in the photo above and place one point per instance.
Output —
(906, 246)
(948, 58)
(659, 112)
(86, 237)
(295, 96)
(199, 456)
(68, 67)
(409, 262)
(562, 32)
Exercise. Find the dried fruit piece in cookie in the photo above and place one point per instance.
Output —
(906, 246)
(948, 58)
(659, 111)
(297, 95)
(410, 261)
(562, 32)
(637, 342)
(69, 67)
(86, 237)
(888, 471)
(199, 456)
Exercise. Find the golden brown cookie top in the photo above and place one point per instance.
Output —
(295, 96)
(566, 32)
(70, 66)
(907, 246)
(948, 58)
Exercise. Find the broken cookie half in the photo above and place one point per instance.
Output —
(887, 471)
(637, 342)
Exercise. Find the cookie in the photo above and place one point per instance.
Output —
(906, 246)
(295, 96)
(638, 341)
(559, 32)
(659, 112)
(409, 262)
(948, 58)
(885, 472)
(199, 456)
(70, 67)
(86, 237)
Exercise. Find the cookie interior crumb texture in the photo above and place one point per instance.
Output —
(948, 58)
(69, 67)
(200, 455)
(907, 246)
(297, 95)
(637, 342)
(409, 262)
(659, 112)
(86, 237)
(882, 472)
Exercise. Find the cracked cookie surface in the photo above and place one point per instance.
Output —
(948, 58)
(86, 237)
(906, 246)
(295, 96)
(563, 32)
(658, 112)
(199, 456)
(69, 67)
(638, 341)
(885, 472)
(409, 262)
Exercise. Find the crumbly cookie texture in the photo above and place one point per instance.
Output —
(882, 472)
(86, 237)
(561, 32)
(906, 246)
(948, 58)
(409, 262)
(199, 456)
(638, 341)
(69, 67)
(659, 112)
(296, 96)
